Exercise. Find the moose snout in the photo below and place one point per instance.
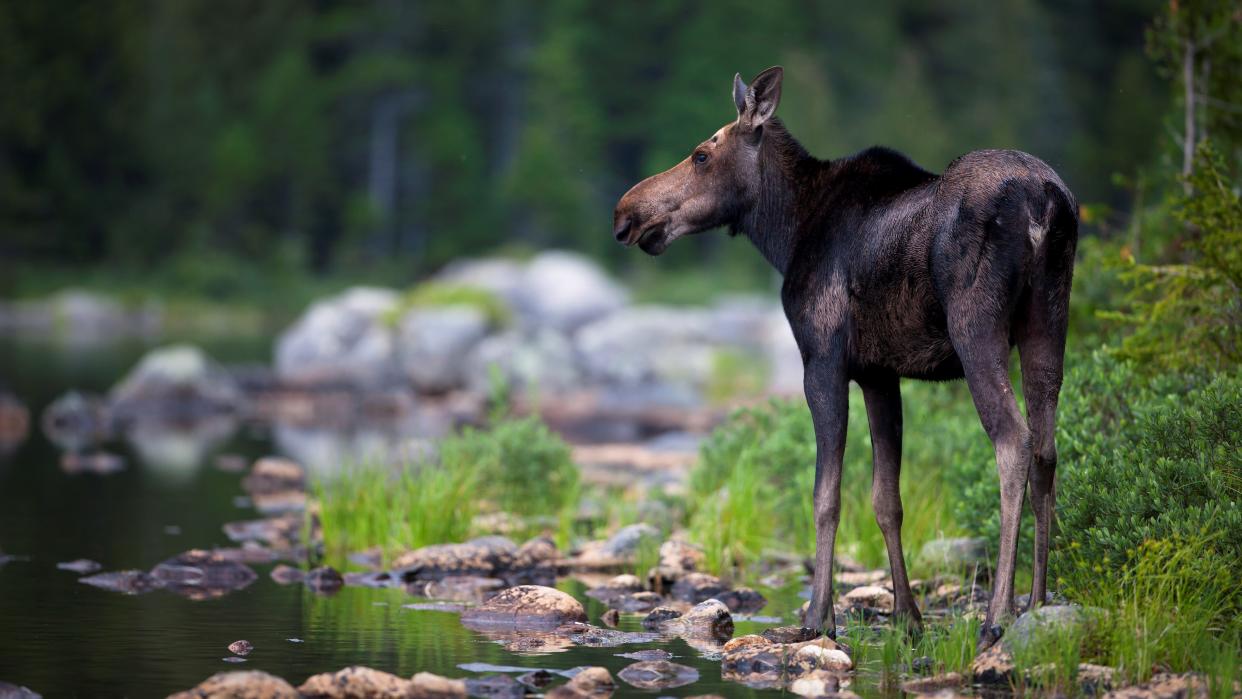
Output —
(622, 225)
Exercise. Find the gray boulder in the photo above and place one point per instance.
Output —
(433, 345)
(564, 290)
(648, 345)
(542, 359)
(180, 379)
(342, 340)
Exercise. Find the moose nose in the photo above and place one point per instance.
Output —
(621, 229)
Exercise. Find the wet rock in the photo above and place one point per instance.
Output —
(934, 684)
(1165, 685)
(789, 634)
(12, 691)
(341, 340)
(610, 618)
(231, 463)
(242, 647)
(870, 596)
(660, 616)
(275, 485)
(287, 575)
(1058, 619)
(484, 557)
(743, 600)
(658, 674)
(425, 685)
(324, 580)
(649, 654)
(81, 566)
(992, 666)
(525, 606)
(252, 684)
(495, 686)
(821, 683)
(129, 582)
(615, 587)
(281, 532)
(76, 421)
(957, 553)
(199, 574)
(178, 381)
(356, 682)
(373, 579)
(432, 344)
(756, 661)
(697, 587)
(860, 578)
(542, 358)
(583, 634)
(706, 619)
(459, 588)
(637, 602)
(588, 682)
(537, 679)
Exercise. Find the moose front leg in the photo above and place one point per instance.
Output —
(826, 386)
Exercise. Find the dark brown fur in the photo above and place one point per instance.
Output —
(891, 271)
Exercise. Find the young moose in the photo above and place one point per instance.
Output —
(891, 271)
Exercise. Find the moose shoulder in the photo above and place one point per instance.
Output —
(891, 271)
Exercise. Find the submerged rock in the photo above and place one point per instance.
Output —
(525, 606)
(81, 566)
(356, 682)
(252, 684)
(495, 687)
(658, 674)
(129, 582)
(324, 580)
(588, 682)
(756, 661)
(462, 588)
(199, 574)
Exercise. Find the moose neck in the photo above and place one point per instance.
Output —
(785, 170)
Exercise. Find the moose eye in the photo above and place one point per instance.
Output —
(700, 158)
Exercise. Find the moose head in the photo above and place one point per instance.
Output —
(716, 185)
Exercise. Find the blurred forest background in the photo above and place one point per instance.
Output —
(244, 151)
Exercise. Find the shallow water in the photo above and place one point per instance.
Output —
(62, 638)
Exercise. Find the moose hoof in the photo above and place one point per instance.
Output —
(989, 634)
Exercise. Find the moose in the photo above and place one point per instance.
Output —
(891, 272)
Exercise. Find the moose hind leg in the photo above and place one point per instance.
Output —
(827, 395)
(985, 359)
(883, 398)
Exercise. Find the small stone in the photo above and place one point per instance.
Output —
(659, 616)
(241, 647)
(637, 602)
(425, 685)
(536, 678)
(81, 566)
(324, 580)
(710, 618)
(287, 575)
(658, 674)
(611, 617)
(789, 634)
(589, 681)
(743, 600)
(992, 666)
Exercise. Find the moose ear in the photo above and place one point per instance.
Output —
(739, 93)
(761, 97)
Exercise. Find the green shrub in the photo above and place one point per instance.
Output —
(433, 294)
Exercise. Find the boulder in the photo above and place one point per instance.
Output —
(992, 666)
(433, 344)
(356, 682)
(565, 290)
(677, 558)
(659, 617)
(1042, 621)
(646, 345)
(525, 607)
(710, 619)
(324, 580)
(342, 340)
(658, 674)
(486, 557)
(174, 382)
(756, 661)
(538, 358)
(252, 684)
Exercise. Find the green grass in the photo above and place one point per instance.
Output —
(434, 294)
(516, 466)
(889, 653)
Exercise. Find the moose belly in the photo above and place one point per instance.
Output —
(911, 341)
